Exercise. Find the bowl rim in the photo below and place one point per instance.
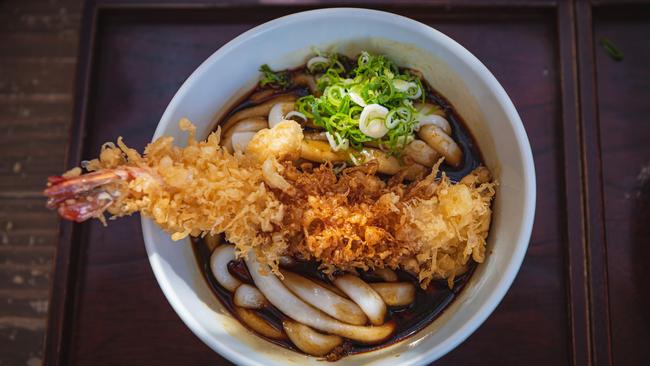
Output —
(480, 71)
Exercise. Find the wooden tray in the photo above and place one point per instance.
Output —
(578, 298)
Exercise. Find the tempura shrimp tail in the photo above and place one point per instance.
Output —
(82, 197)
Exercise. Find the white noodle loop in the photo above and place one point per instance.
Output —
(258, 324)
(292, 306)
(310, 341)
(240, 140)
(323, 299)
(395, 293)
(368, 299)
(249, 297)
(279, 112)
(438, 140)
(219, 260)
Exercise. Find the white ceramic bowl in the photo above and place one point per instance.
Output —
(449, 68)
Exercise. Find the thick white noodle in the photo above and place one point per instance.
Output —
(323, 299)
(219, 266)
(421, 153)
(386, 274)
(248, 297)
(258, 324)
(239, 140)
(278, 113)
(395, 293)
(360, 292)
(310, 341)
(442, 143)
(292, 306)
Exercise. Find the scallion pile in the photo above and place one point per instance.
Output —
(369, 102)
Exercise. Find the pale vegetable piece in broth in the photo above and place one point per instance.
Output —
(240, 140)
(279, 113)
(421, 153)
(373, 121)
(438, 140)
(246, 125)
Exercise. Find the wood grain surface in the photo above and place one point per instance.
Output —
(38, 46)
(623, 110)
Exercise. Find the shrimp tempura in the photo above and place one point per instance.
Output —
(261, 202)
(196, 190)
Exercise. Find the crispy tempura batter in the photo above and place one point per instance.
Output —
(354, 220)
(431, 227)
(199, 189)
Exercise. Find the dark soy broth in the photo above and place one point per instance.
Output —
(428, 304)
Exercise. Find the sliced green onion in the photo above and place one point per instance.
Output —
(404, 140)
(355, 112)
(346, 95)
(414, 91)
(317, 63)
(356, 161)
(401, 85)
(356, 98)
(335, 95)
(337, 143)
(613, 51)
(397, 116)
(275, 79)
(364, 58)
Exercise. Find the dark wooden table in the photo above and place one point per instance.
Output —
(38, 46)
(580, 297)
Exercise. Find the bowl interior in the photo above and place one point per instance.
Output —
(450, 69)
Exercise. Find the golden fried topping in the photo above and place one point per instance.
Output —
(346, 221)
